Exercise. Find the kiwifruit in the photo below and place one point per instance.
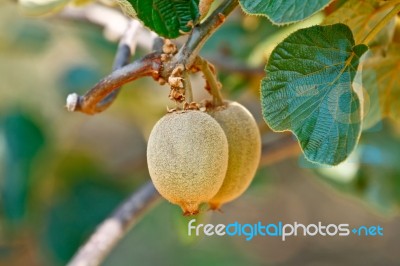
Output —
(244, 143)
(187, 156)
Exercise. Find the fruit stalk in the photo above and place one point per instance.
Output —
(189, 51)
(188, 87)
(211, 79)
(151, 65)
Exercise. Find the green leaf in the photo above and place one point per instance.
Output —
(88, 202)
(168, 18)
(361, 17)
(24, 37)
(309, 90)
(283, 12)
(380, 79)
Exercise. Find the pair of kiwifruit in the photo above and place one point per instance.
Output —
(196, 157)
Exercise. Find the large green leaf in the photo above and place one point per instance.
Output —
(168, 18)
(309, 91)
(283, 12)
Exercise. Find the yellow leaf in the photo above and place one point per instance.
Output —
(361, 16)
(382, 83)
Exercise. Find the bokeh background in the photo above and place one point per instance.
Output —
(62, 173)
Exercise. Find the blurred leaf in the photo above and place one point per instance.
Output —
(79, 165)
(381, 81)
(246, 32)
(41, 7)
(309, 90)
(262, 179)
(263, 50)
(361, 17)
(372, 106)
(83, 195)
(81, 2)
(157, 233)
(168, 18)
(335, 4)
(79, 79)
(396, 34)
(95, 43)
(74, 217)
(245, 37)
(25, 36)
(23, 140)
(235, 85)
(181, 222)
(380, 188)
(100, 49)
(283, 12)
(378, 180)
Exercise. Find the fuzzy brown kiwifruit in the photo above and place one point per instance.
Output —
(187, 156)
(244, 143)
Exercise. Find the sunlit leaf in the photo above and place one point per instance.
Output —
(75, 215)
(361, 17)
(283, 12)
(382, 83)
(79, 78)
(309, 90)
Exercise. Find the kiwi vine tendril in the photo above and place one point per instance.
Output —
(188, 87)
(211, 80)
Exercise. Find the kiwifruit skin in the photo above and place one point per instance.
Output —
(187, 156)
(244, 143)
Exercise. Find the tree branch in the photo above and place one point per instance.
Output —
(103, 93)
(199, 35)
(147, 66)
(126, 48)
(211, 81)
(280, 149)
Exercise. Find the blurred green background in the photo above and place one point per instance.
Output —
(62, 173)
